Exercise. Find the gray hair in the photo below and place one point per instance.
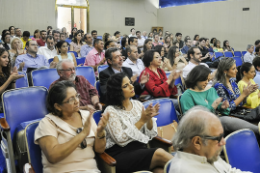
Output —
(224, 65)
(194, 123)
(59, 65)
(249, 46)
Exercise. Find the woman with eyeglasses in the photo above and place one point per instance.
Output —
(62, 47)
(130, 128)
(68, 136)
(196, 94)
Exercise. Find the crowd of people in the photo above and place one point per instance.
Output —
(137, 64)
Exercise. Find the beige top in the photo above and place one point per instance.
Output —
(80, 160)
(76, 47)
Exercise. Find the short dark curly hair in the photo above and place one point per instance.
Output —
(148, 57)
(114, 94)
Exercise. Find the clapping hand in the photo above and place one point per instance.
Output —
(250, 88)
(53, 64)
(144, 78)
(150, 112)
(225, 104)
(14, 74)
(102, 124)
(134, 78)
(98, 106)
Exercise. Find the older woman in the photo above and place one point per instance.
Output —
(16, 49)
(68, 136)
(130, 128)
(166, 66)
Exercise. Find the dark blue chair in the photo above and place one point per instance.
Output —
(101, 96)
(97, 116)
(81, 60)
(34, 151)
(68, 40)
(167, 112)
(228, 54)
(239, 61)
(22, 82)
(244, 52)
(21, 106)
(50, 60)
(218, 54)
(167, 167)
(75, 53)
(44, 77)
(242, 150)
(178, 81)
(238, 54)
(101, 68)
(88, 73)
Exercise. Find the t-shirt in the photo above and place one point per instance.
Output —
(40, 42)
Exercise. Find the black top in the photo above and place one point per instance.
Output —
(181, 44)
(204, 51)
(6, 47)
(3, 79)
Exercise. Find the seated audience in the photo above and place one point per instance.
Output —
(160, 36)
(178, 37)
(115, 61)
(36, 35)
(68, 136)
(96, 56)
(62, 47)
(117, 37)
(25, 38)
(133, 33)
(140, 39)
(199, 141)
(256, 63)
(62, 36)
(257, 43)
(134, 41)
(42, 40)
(249, 56)
(86, 48)
(217, 47)
(133, 61)
(257, 51)
(7, 40)
(49, 28)
(158, 85)
(144, 35)
(206, 58)
(56, 36)
(32, 59)
(130, 128)
(196, 40)
(64, 31)
(73, 31)
(208, 46)
(187, 46)
(176, 60)
(76, 43)
(212, 41)
(167, 44)
(109, 44)
(16, 50)
(5, 31)
(156, 40)
(106, 37)
(49, 32)
(89, 99)
(148, 45)
(166, 65)
(18, 33)
(12, 31)
(150, 36)
(124, 44)
(172, 38)
(94, 34)
(8, 77)
(49, 51)
(176, 44)
(227, 47)
(247, 71)
(194, 56)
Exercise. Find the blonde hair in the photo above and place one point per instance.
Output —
(13, 40)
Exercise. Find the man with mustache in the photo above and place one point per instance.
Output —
(198, 142)
(89, 99)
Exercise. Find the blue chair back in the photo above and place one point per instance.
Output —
(239, 61)
(44, 77)
(24, 104)
(88, 73)
(178, 81)
(242, 150)
(218, 54)
(97, 116)
(101, 97)
(167, 112)
(50, 60)
(75, 53)
(101, 68)
(243, 53)
(238, 53)
(228, 54)
(34, 151)
(167, 167)
(80, 60)
(68, 40)
(22, 82)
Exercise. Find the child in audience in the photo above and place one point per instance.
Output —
(62, 47)
(248, 73)
(217, 47)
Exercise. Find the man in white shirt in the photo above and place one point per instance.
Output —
(133, 34)
(199, 141)
(140, 40)
(249, 56)
(48, 51)
(133, 61)
(144, 35)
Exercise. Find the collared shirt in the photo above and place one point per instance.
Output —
(116, 71)
(141, 42)
(189, 67)
(31, 62)
(85, 49)
(257, 78)
(184, 162)
(93, 58)
(248, 57)
(24, 42)
(84, 88)
(145, 37)
(185, 49)
(47, 53)
(137, 67)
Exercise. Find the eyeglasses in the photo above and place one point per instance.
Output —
(73, 99)
(83, 144)
(217, 138)
(70, 69)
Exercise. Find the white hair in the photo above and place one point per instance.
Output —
(59, 65)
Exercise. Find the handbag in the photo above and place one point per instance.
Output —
(246, 114)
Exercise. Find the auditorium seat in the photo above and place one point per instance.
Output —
(238, 54)
(101, 68)
(75, 53)
(81, 61)
(44, 77)
(218, 54)
(88, 73)
(228, 54)
(167, 166)
(244, 52)
(239, 61)
(50, 60)
(22, 82)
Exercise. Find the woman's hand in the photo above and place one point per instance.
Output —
(175, 74)
(217, 102)
(144, 78)
(225, 104)
(250, 89)
(14, 75)
(149, 112)
(102, 124)
(98, 106)
(87, 125)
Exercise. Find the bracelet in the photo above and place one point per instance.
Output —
(102, 136)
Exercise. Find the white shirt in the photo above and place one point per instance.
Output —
(137, 67)
(47, 52)
(248, 57)
(131, 35)
(141, 42)
(189, 67)
(187, 163)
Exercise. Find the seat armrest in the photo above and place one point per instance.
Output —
(108, 159)
(162, 140)
(4, 125)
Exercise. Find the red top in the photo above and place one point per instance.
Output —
(158, 87)
(40, 42)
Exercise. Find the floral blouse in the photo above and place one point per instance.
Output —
(227, 94)
(121, 129)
